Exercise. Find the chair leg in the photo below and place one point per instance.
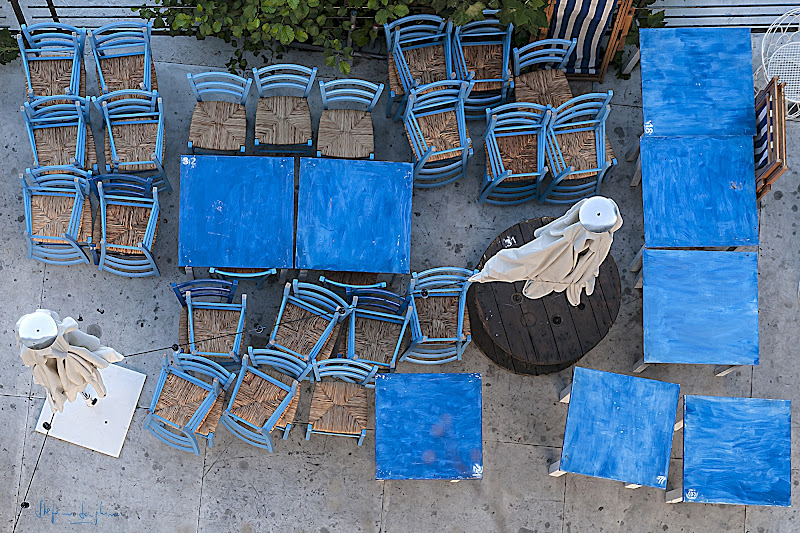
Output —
(361, 438)
(308, 432)
(286, 431)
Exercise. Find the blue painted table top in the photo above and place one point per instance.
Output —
(354, 216)
(697, 81)
(700, 307)
(428, 426)
(236, 211)
(699, 191)
(737, 450)
(619, 427)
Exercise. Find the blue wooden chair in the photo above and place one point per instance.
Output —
(256, 274)
(58, 216)
(257, 404)
(283, 121)
(188, 401)
(133, 121)
(218, 124)
(539, 75)
(515, 153)
(339, 402)
(339, 282)
(129, 223)
(347, 133)
(53, 60)
(439, 298)
(306, 325)
(211, 325)
(437, 130)
(123, 56)
(481, 51)
(59, 132)
(419, 53)
(578, 151)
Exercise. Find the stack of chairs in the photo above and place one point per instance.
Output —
(770, 140)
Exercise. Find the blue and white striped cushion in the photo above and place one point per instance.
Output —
(587, 21)
(762, 137)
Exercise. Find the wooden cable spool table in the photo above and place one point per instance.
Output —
(545, 335)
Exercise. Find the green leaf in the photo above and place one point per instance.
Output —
(301, 36)
(382, 16)
(475, 11)
(285, 34)
(344, 67)
(313, 3)
(293, 3)
(330, 61)
(217, 26)
(400, 10)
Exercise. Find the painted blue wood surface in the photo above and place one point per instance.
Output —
(354, 215)
(699, 191)
(619, 427)
(428, 426)
(236, 212)
(700, 307)
(697, 81)
(737, 450)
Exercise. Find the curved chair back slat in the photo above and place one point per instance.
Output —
(544, 54)
(318, 296)
(350, 90)
(193, 364)
(379, 301)
(121, 38)
(343, 287)
(259, 276)
(62, 176)
(53, 37)
(59, 111)
(413, 27)
(283, 362)
(448, 278)
(582, 112)
(219, 86)
(349, 370)
(285, 77)
(202, 289)
(124, 185)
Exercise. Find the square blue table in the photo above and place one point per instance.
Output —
(700, 307)
(354, 216)
(428, 426)
(737, 451)
(619, 427)
(697, 81)
(699, 191)
(236, 212)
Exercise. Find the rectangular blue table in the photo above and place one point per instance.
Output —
(236, 212)
(737, 451)
(700, 307)
(428, 426)
(619, 427)
(699, 191)
(354, 216)
(697, 81)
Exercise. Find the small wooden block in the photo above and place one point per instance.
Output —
(565, 394)
(724, 370)
(554, 469)
(639, 366)
(674, 496)
(632, 486)
(636, 264)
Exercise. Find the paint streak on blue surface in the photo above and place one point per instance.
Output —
(619, 427)
(737, 450)
(236, 212)
(699, 191)
(428, 426)
(697, 81)
(700, 307)
(354, 216)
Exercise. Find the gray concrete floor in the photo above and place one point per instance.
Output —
(327, 484)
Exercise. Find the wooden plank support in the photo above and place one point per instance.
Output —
(639, 281)
(674, 496)
(724, 370)
(636, 264)
(639, 366)
(678, 425)
(632, 61)
(554, 469)
(565, 394)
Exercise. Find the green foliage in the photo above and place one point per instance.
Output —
(9, 50)
(264, 26)
(644, 18)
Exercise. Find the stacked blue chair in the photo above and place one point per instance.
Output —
(123, 56)
(539, 75)
(219, 120)
(53, 59)
(188, 401)
(420, 52)
(515, 153)
(256, 405)
(283, 121)
(256, 274)
(350, 280)
(129, 223)
(58, 217)
(439, 297)
(134, 133)
(437, 130)
(347, 133)
(577, 149)
(482, 51)
(58, 130)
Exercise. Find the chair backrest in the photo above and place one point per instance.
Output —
(379, 300)
(441, 280)
(283, 362)
(219, 86)
(486, 32)
(56, 109)
(121, 38)
(342, 287)
(124, 184)
(350, 90)
(582, 113)
(412, 28)
(770, 141)
(544, 54)
(56, 177)
(285, 78)
(52, 38)
(349, 370)
(129, 102)
(318, 296)
(211, 289)
(519, 118)
(438, 97)
(193, 364)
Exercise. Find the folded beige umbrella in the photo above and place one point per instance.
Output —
(64, 359)
(565, 255)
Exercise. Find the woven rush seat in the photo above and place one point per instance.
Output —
(219, 326)
(581, 155)
(125, 226)
(338, 407)
(426, 64)
(300, 330)
(438, 317)
(345, 133)
(134, 142)
(283, 120)
(486, 60)
(179, 400)
(56, 146)
(257, 399)
(545, 87)
(209, 424)
(519, 155)
(51, 77)
(126, 72)
(376, 340)
(218, 126)
(440, 130)
(50, 217)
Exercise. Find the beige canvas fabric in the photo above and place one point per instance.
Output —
(564, 256)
